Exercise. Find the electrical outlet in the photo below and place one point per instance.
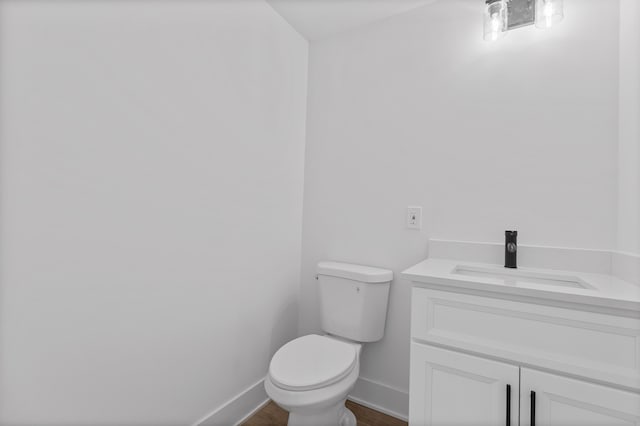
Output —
(414, 217)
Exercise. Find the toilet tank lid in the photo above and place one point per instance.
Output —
(365, 274)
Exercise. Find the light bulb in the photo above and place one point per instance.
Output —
(495, 26)
(495, 19)
(548, 13)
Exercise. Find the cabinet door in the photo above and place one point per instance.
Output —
(560, 401)
(451, 388)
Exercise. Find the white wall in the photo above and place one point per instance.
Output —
(151, 205)
(419, 110)
(629, 151)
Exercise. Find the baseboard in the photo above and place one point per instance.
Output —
(239, 408)
(375, 395)
(626, 266)
(563, 258)
(381, 397)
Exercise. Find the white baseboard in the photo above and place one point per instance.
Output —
(380, 397)
(239, 408)
(371, 394)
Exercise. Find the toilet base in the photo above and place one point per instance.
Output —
(348, 418)
(337, 415)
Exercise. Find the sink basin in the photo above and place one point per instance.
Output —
(516, 276)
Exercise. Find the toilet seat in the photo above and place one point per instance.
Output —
(312, 362)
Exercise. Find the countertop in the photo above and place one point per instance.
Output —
(604, 291)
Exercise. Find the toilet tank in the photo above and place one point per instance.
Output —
(353, 300)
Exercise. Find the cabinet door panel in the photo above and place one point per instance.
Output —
(560, 401)
(450, 388)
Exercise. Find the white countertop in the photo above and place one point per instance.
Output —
(603, 291)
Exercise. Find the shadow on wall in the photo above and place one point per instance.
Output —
(285, 328)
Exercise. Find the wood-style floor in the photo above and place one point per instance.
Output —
(271, 414)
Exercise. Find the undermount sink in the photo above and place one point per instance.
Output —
(515, 276)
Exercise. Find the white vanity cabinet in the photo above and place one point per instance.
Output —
(451, 388)
(565, 401)
(488, 359)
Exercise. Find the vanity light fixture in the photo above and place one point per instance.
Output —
(501, 16)
(496, 19)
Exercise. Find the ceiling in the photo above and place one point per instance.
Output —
(317, 19)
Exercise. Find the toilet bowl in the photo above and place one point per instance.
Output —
(311, 377)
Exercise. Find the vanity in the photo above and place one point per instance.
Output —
(493, 346)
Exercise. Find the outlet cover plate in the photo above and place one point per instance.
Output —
(414, 217)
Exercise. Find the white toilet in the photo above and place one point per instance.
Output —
(312, 375)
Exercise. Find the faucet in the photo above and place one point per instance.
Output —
(510, 249)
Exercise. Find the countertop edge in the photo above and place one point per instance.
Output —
(627, 308)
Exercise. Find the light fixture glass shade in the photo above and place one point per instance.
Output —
(495, 19)
(548, 13)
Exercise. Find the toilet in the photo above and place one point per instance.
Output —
(312, 375)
